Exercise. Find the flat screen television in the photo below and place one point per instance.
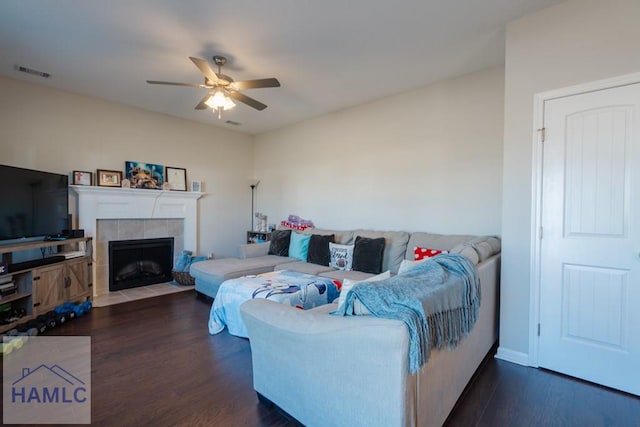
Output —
(32, 203)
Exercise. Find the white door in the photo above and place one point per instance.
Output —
(590, 248)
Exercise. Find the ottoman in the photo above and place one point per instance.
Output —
(210, 274)
(300, 290)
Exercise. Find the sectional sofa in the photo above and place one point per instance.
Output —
(325, 370)
(399, 245)
(332, 370)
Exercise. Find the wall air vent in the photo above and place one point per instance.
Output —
(32, 71)
(231, 122)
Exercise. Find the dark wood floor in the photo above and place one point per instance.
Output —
(153, 363)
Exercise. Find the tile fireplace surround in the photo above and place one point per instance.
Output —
(106, 213)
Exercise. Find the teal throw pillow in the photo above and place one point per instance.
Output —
(299, 246)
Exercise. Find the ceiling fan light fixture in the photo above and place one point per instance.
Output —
(220, 87)
(220, 101)
(228, 104)
(216, 101)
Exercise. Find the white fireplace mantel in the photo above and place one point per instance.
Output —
(128, 203)
(97, 203)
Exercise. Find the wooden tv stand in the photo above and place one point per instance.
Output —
(43, 287)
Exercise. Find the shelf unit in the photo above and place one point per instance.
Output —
(255, 236)
(42, 287)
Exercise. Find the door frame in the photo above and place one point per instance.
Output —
(539, 100)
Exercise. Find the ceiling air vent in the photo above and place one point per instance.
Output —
(32, 71)
(231, 122)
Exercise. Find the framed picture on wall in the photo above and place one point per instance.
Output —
(177, 178)
(196, 186)
(144, 175)
(109, 178)
(82, 178)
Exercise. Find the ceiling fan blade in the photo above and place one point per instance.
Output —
(205, 68)
(254, 84)
(156, 82)
(201, 105)
(247, 100)
(223, 79)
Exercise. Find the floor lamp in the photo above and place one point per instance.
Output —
(253, 187)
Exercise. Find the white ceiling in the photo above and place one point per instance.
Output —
(327, 54)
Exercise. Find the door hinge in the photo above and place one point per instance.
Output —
(538, 329)
(543, 134)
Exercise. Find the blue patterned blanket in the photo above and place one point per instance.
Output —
(438, 300)
(299, 290)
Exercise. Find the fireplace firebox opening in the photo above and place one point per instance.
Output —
(134, 263)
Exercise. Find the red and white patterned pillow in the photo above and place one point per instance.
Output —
(298, 227)
(422, 253)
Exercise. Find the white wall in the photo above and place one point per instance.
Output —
(574, 42)
(56, 131)
(428, 160)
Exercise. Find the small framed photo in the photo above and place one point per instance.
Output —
(82, 178)
(196, 186)
(177, 178)
(108, 178)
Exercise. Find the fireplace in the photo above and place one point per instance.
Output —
(109, 213)
(142, 262)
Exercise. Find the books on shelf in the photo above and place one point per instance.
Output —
(6, 279)
(69, 254)
(8, 289)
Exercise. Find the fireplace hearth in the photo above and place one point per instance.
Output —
(142, 262)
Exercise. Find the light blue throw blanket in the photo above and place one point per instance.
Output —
(438, 300)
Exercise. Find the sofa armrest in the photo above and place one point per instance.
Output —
(253, 250)
(304, 359)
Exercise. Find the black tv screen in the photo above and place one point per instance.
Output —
(32, 203)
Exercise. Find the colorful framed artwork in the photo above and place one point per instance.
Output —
(176, 178)
(82, 178)
(144, 175)
(109, 178)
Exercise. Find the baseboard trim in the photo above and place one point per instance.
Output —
(512, 356)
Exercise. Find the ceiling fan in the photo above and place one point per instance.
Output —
(223, 88)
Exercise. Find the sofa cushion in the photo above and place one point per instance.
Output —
(210, 274)
(319, 249)
(280, 240)
(347, 284)
(343, 237)
(467, 250)
(395, 246)
(251, 250)
(344, 274)
(486, 246)
(304, 267)
(367, 254)
(435, 241)
(341, 256)
(299, 246)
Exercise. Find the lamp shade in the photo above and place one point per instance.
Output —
(220, 100)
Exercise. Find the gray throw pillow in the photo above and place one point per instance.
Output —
(367, 254)
(319, 249)
(280, 240)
